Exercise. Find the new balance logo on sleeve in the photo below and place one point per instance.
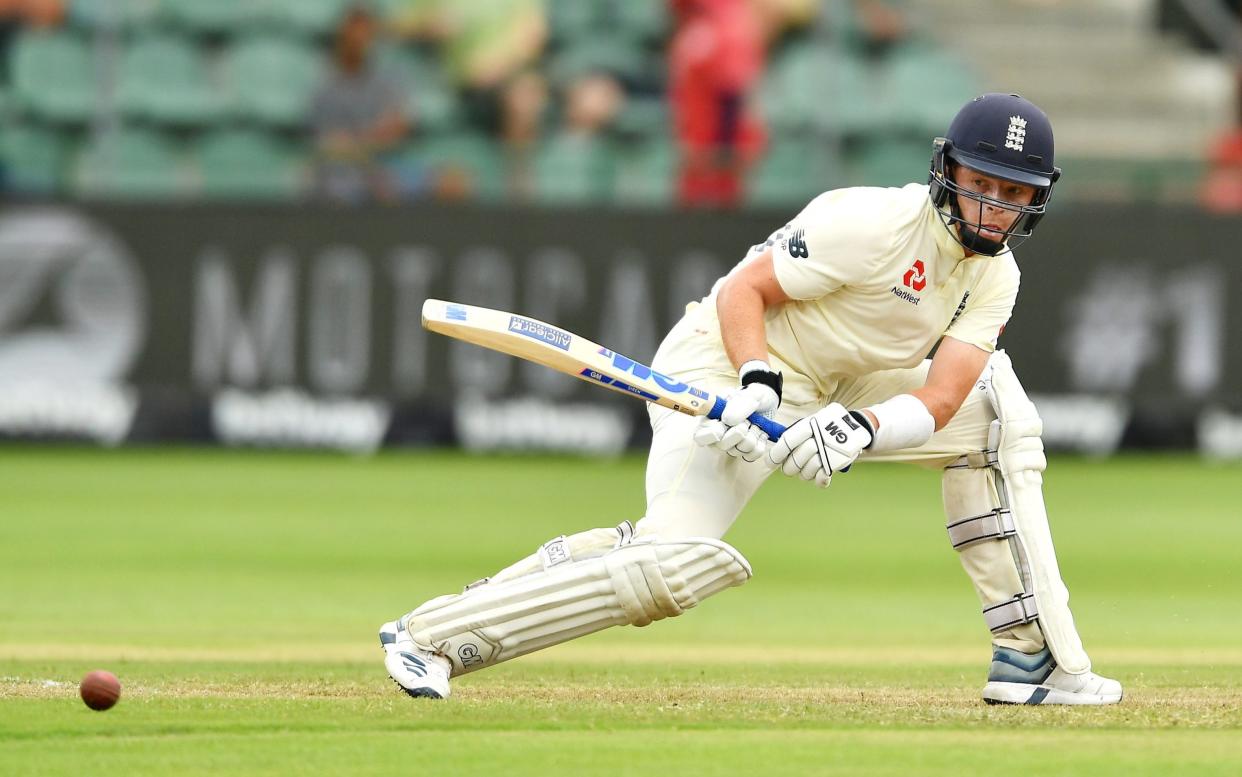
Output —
(797, 245)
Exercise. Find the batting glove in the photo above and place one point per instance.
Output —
(821, 444)
(733, 433)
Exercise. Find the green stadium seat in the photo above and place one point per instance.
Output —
(613, 54)
(643, 117)
(889, 161)
(573, 168)
(793, 171)
(816, 87)
(640, 21)
(248, 164)
(646, 20)
(212, 17)
(164, 78)
(927, 86)
(131, 163)
(645, 173)
(569, 19)
(122, 14)
(33, 159)
(469, 154)
(307, 17)
(273, 79)
(53, 76)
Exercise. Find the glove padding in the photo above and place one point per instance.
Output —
(733, 433)
(821, 444)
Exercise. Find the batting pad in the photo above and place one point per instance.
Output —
(981, 530)
(635, 584)
(1020, 461)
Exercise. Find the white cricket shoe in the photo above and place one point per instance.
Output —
(1021, 678)
(419, 673)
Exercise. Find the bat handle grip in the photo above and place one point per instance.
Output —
(770, 427)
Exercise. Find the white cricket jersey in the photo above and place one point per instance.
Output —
(875, 280)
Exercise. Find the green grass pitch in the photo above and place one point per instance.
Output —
(237, 595)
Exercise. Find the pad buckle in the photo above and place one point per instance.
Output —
(995, 525)
(1011, 612)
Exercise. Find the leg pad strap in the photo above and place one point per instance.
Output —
(996, 524)
(1003, 616)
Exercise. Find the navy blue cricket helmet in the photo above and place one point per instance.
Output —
(1004, 136)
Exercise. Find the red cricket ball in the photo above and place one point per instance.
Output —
(100, 689)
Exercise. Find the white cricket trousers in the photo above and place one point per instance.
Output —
(694, 491)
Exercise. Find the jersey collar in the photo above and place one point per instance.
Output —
(948, 247)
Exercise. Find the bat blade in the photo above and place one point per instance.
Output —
(542, 343)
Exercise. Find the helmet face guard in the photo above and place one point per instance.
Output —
(1003, 136)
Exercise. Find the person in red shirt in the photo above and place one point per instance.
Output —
(716, 58)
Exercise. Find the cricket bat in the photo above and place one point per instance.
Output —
(536, 341)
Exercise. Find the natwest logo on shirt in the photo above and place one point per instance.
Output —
(915, 277)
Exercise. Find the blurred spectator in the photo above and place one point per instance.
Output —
(716, 58)
(15, 14)
(490, 50)
(576, 164)
(524, 104)
(44, 13)
(593, 102)
(1222, 189)
(486, 46)
(881, 26)
(871, 27)
(356, 116)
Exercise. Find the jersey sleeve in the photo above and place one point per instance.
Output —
(835, 241)
(989, 307)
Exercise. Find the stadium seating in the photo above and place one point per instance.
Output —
(164, 78)
(272, 79)
(53, 76)
(642, 21)
(472, 157)
(815, 87)
(889, 160)
(572, 168)
(33, 159)
(614, 36)
(608, 54)
(793, 170)
(645, 173)
(214, 17)
(308, 17)
(131, 163)
(248, 164)
(234, 81)
(925, 86)
(120, 14)
(643, 117)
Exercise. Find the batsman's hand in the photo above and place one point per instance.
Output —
(734, 433)
(822, 444)
(744, 441)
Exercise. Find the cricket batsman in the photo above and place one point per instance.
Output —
(827, 327)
